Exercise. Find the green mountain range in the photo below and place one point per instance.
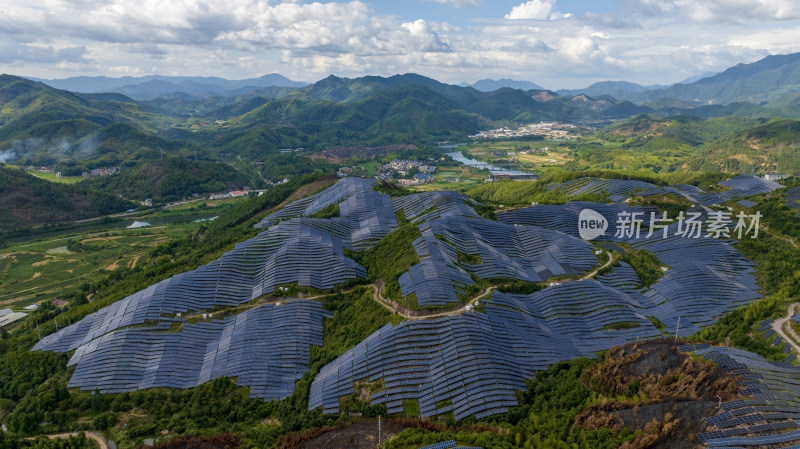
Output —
(760, 82)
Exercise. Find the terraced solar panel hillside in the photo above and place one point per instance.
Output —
(584, 186)
(424, 206)
(705, 278)
(474, 362)
(564, 217)
(309, 205)
(740, 186)
(266, 349)
(478, 361)
(747, 185)
(769, 415)
(306, 251)
(520, 252)
(708, 277)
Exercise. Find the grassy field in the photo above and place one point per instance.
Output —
(556, 154)
(445, 179)
(52, 177)
(41, 268)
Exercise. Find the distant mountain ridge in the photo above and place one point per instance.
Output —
(488, 85)
(153, 86)
(759, 82)
(616, 89)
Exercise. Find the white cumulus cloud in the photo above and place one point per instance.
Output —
(538, 10)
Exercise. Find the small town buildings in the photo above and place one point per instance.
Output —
(775, 176)
(423, 178)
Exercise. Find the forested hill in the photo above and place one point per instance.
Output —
(172, 179)
(774, 146)
(32, 109)
(27, 200)
(761, 81)
(501, 104)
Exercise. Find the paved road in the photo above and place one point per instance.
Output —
(784, 328)
(98, 438)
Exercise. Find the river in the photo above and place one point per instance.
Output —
(494, 170)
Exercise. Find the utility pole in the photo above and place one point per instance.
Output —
(676, 329)
(37, 331)
(379, 431)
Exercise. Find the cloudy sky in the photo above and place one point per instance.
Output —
(554, 43)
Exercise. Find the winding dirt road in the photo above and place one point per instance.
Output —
(421, 314)
(593, 273)
(784, 328)
(98, 438)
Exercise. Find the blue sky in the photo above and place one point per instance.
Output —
(428, 9)
(554, 43)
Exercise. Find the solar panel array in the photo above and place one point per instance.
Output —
(748, 185)
(424, 206)
(474, 362)
(436, 279)
(708, 278)
(478, 361)
(564, 217)
(770, 412)
(434, 361)
(266, 348)
(793, 197)
(307, 251)
(303, 250)
(310, 205)
(496, 249)
(583, 186)
(740, 186)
